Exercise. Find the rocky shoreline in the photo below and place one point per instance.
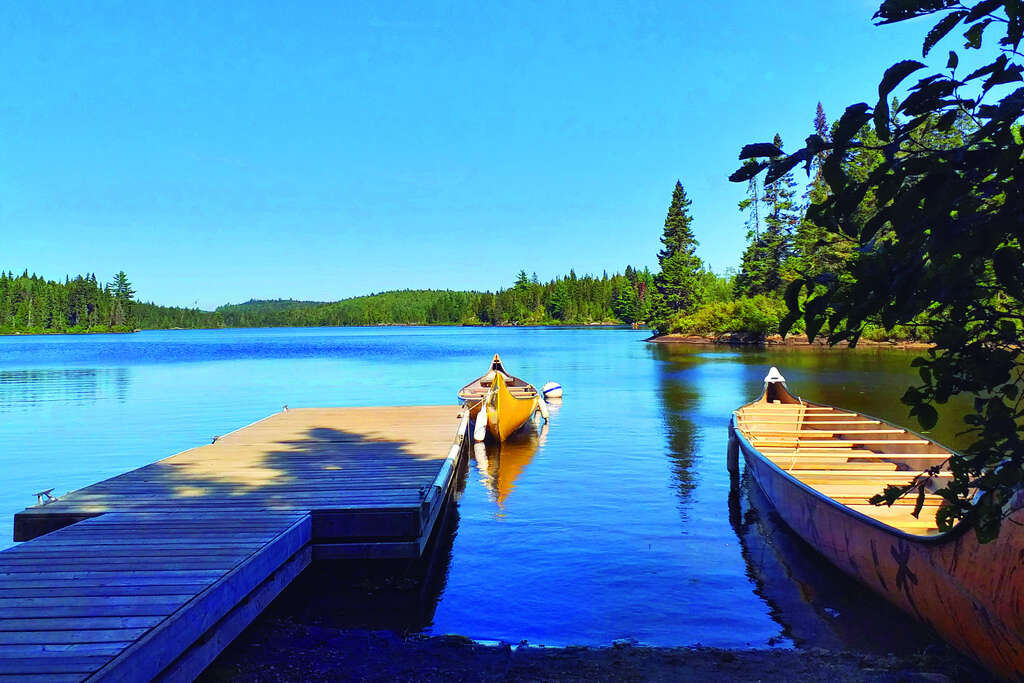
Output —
(282, 650)
(777, 341)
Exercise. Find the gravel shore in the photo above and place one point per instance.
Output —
(282, 650)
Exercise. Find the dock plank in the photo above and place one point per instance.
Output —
(150, 574)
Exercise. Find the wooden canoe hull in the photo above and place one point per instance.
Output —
(972, 594)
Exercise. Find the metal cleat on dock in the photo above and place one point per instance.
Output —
(44, 497)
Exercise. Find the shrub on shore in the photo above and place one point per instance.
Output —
(761, 316)
(758, 315)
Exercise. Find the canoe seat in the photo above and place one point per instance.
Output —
(824, 473)
(844, 442)
(882, 475)
(790, 465)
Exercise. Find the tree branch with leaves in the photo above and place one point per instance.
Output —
(942, 244)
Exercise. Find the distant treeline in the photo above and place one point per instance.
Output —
(568, 300)
(31, 304)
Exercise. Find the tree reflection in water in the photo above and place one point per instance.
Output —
(678, 400)
(24, 389)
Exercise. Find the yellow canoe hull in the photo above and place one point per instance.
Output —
(507, 413)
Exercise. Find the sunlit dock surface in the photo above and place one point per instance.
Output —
(152, 573)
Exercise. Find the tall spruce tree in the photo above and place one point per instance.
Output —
(761, 268)
(817, 250)
(742, 283)
(121, 304)
(679, 282)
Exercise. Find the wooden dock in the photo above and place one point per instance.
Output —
(150, 574)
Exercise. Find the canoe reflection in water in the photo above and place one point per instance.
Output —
(500, 464)
(816, 605)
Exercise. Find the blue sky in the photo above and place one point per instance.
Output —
(222, 151)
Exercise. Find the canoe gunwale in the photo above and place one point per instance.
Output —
(749, 450)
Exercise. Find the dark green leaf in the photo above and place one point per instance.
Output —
(982, 8)
(1009, 269)
(947, 120)
(973, 34)
(926, 374)
(784, 166)
(760, 149)
(919, 503)
(1007, 75)
(940, 30)
(747, 171)
(895, 74)
(814, 317)
(792, 295)
(926, 415)
(787, 322)
(882, 119)
(815, 144)
(992, 67)
(850, 122)
(892, 11)
(953, 60)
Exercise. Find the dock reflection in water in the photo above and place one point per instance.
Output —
(500, 465)
(394, 595)
(817, 605)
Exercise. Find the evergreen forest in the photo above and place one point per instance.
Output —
(30, 304)
(787, 242)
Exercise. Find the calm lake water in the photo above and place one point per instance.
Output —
(617, 521)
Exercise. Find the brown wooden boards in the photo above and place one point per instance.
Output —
(80, 602)
(148, 575)
(363, 472)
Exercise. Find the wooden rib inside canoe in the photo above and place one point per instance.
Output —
(845, 456)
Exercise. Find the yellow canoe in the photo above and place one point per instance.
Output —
(507, 412)
(510, 401)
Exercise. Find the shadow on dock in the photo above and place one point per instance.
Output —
(199, 543)
(363, 485)
(391, 594)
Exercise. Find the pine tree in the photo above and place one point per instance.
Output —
(625, 302)
(678, 282)
(121, 304)
(744, 280)
(761, 268)
(818, 250)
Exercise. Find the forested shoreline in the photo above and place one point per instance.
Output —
(785, 245)
(30, 304)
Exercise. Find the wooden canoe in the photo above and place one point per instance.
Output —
(818, 465)
(510, 401)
